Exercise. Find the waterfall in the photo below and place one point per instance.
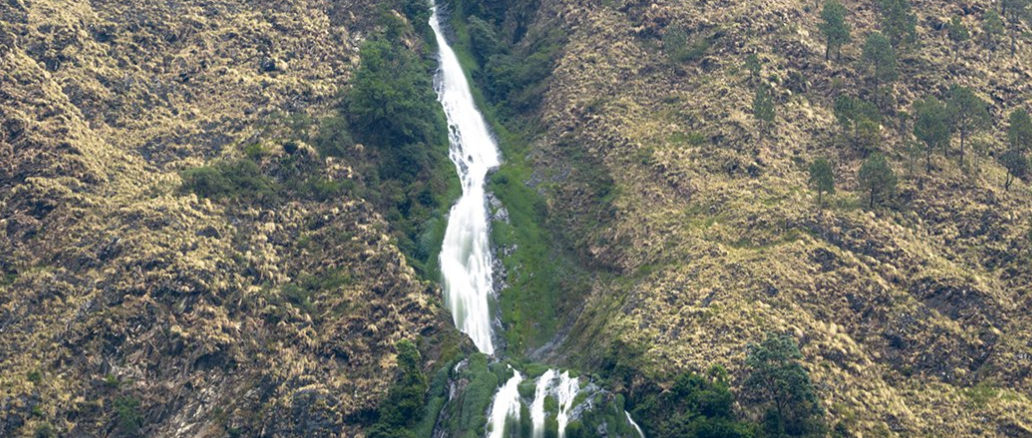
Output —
(466, 260)
(537, 408)
(506, 405)
(566, 392)
(636, 427)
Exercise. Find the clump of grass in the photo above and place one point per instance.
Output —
(982, 393)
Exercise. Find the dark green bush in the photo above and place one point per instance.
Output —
(392, 100)
(298, 297)
(696, 406)
(238, 179)
(45, 430)
(513, 76)
(130, 420)
(334, 138)
(681, 47)
(484, 40)
(405, 404)
(393, 110)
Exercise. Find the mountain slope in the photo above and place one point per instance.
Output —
(129, 306)
(913, 317)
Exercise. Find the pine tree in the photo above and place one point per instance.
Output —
(779, 382)
(898, 21)
(763, 107)
(877, 179)
(822, 179)
(931, 126)
(959, 34)
(1017, 166)
(836, 30)
(1019, 132)
(968, 113)
(754, 66)
(1016, 11)
(992, 28)
(881, 60)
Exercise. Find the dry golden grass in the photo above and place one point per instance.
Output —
(901, 311)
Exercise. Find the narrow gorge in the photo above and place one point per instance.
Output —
(467, 267)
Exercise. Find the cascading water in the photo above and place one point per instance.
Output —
(537, 408)
(636, 427)
(506, 405)
(466, 260)
(566, 390)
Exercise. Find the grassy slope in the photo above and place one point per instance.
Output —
(905, 312)
(178, 298)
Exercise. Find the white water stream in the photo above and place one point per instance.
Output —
(636, 427)
(506, 406)
(566, 391)
(466, 260)
(537, 408)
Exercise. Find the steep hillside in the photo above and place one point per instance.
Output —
(132, 306)
(913, 316)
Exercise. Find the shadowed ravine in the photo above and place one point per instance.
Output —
(466, 260)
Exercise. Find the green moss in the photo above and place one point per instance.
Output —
(466, 413)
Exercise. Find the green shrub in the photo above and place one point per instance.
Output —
(45, 430)
(696, 406)
(681, 48)
(392, 101)
(334, 137)
(8, 278)
(111, 381)
(514, 77)
(237, 179)
(405, 404)
(298, 297)
(393, 110)
(130, 420)
(321, 189)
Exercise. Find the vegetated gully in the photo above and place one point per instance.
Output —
(466, 256)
